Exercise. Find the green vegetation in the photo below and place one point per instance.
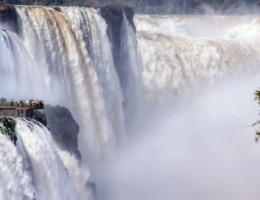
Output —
(5, 104)
(257, 133)
(48, 2)
(7, 127)
(33, 104)
(163, 6)
(2, 100)
(5, 131)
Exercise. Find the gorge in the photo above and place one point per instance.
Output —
(162, 102)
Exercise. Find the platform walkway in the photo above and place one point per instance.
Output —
(21, 109)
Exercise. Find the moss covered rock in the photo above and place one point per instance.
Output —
(7, 127)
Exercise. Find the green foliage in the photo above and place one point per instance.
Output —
(139, 4)
(257, 134)
(257, 96)
(3, 100)
(150, 6)
(7, 126)
(4, 130)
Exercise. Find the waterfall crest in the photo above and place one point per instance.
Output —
(181, 53)
(65, 56)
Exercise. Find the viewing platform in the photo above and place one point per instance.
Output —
(21, 108)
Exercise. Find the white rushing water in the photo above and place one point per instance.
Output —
(187, 86)
(192, 140)
(194, 51)
(130, 62)
(65, 59)
(16, 181)
(34, 170)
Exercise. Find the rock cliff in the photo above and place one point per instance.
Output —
(8, 17)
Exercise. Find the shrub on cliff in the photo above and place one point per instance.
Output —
(257, 133)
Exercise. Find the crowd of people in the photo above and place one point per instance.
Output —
(29, 103)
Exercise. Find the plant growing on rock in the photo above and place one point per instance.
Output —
(257, 133)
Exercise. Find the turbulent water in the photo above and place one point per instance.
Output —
(183, 52)
(191, 140)
(65, 58)
(34, 170)
(187, 89)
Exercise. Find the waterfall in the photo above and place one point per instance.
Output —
(181, 53)
(64, 57)
(192, 140)
(48, 173)
(185, 81)
(16, 182)
(130, 75)
(17, 67)
(97, 43)
(34, 170)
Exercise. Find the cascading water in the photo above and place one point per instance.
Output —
(34, 170)
(66, 57)
(131, 70)
(180, 53)
(96, 40)
(17, 67)
(48, 173)
(195, 66)
(192, 141)
(16, 181)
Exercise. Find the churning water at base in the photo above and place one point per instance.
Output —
(34, 170)
(199, 75)
(198, 147)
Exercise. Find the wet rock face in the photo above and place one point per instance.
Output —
(7, 127)
(8, 17)
(113, 16)
(64, 128)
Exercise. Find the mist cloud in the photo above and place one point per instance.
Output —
(196, 149)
